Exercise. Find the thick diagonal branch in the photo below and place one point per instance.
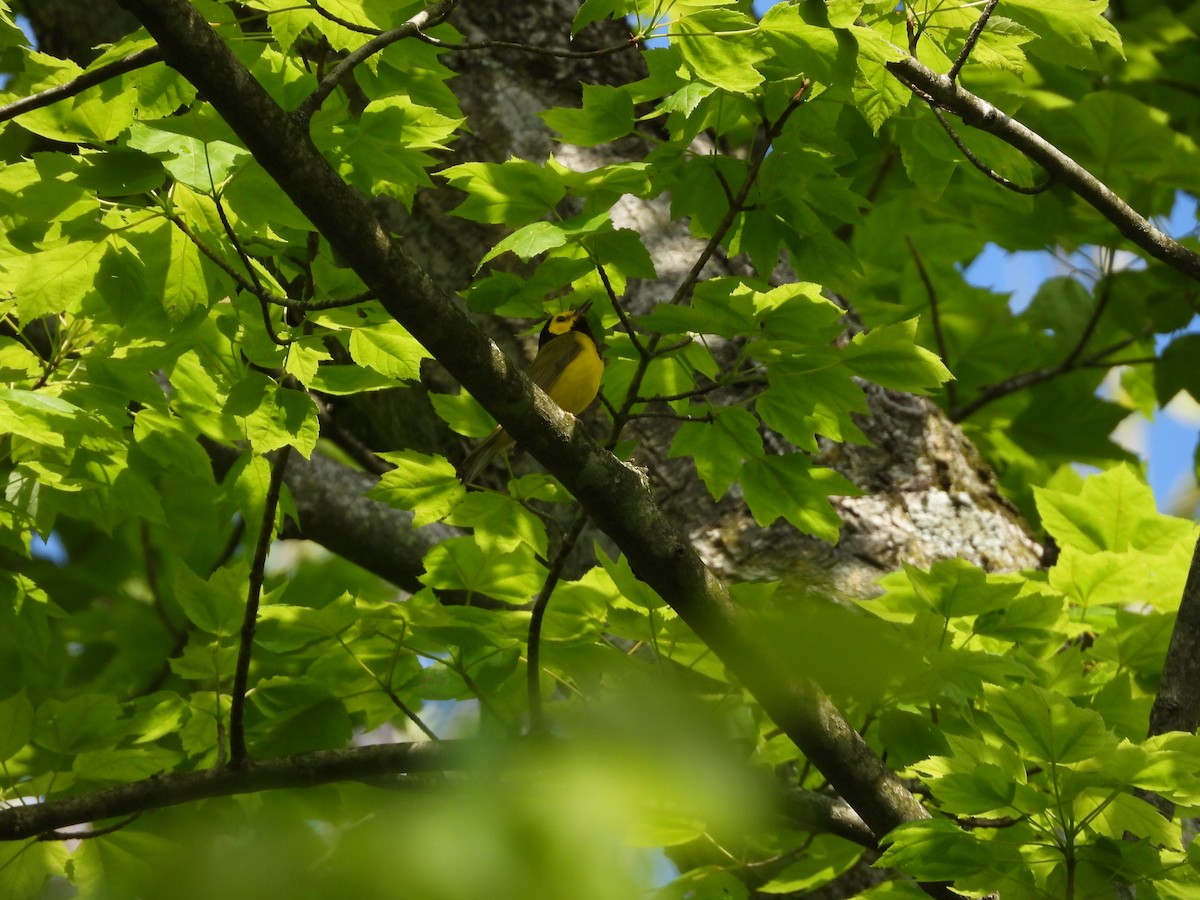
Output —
(615, 496)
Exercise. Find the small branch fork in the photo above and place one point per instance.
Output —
(426, 18)
(914, 35)
(254, 288)
(972, 40)
(1071, 362)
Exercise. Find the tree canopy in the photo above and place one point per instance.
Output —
(844, 587)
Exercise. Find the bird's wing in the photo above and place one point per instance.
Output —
(553, 359)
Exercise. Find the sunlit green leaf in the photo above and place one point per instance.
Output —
(513, 193)
(463, 565)
(1047, 727)
(607, 114)
(427, 485)
(790, 487)
(1068, 31)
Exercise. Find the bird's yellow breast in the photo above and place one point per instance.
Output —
(576, 384)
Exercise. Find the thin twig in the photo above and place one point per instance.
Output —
(138, 59)
(426, 18)
(530, 48)
(301, 770)
(353, 447)
(684, 291)
(245, 284)
(258, 291)
(735, 206)
(707, 418)
(706, 389)
(911, 29)
(620, 310)
(533, 670)
(1108, 364)
(846, 230)
(151, 564)
(935, 317)
(1092, 322)
(408, 712)
(345, 23)
(237, 732)
(972, 39)
(1040, 376)
(981, 165)
(671, 348)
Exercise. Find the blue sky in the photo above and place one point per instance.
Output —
(1167, 443)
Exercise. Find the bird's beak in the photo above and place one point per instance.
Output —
(583, 309)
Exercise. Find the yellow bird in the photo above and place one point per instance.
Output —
(567, 367)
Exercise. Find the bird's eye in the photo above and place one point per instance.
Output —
(560, 318)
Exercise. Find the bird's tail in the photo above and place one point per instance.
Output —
(496, 442)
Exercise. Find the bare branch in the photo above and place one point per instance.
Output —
(978, 113)
(533, 669)
(266, 533)
(426, 18)
(138, 59)
(934, 316)
(301, 770)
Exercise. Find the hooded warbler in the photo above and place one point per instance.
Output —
(567, 367)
